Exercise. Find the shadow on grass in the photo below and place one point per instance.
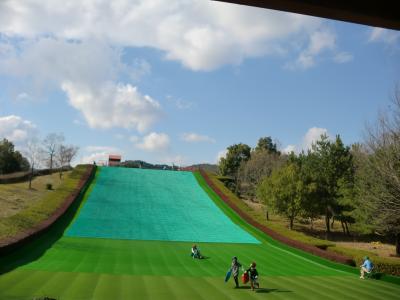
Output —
(34, 249)
(264, 290)
(243, 287)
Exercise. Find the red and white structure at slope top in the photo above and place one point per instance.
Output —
(114, 160)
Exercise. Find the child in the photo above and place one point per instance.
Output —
(235, 270)
(196, 252)
(253, 274)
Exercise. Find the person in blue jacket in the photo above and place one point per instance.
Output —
(366, 267)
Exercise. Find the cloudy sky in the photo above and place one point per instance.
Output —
(178, 81)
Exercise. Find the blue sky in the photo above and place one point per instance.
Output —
(179, 81)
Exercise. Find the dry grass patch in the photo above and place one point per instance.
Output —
(15, 197)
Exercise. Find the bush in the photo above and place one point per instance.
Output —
(49, 186)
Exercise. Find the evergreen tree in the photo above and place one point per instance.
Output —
(10, 160)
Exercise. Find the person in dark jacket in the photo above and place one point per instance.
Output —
(253, 274)
(196, 252)
(235, 270)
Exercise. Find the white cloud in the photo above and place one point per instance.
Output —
(202, 35)
(343, 57)
(154, 142)
(51, 61)
(196, 138)
(311, 137)
(179, 103)
(23, 97)
(140, 68)
(77, 122)
(177, 160)
(290, 148)
(313, 134)
(386, 36)
(99, 154)
(221, 154)
(108, 149)
(134, 138)
(16, 129)
(98, 157)
(320, 41)
(86, 72)
(113, 105)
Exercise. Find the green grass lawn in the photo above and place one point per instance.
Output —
(76, 268)
(21, 208)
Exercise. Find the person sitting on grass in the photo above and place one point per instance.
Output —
(253, 274)
(366, 267)
(235, 270)
(196, 252)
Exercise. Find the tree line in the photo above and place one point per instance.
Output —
(51, 153)
(358, 183)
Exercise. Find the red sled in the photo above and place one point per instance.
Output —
(245, 277)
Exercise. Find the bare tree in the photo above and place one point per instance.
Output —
(260, 165)
(65, 154)
(380, 178)
(71, 153)
(32, 153)
(50, 147)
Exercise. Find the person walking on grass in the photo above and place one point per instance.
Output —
(253, 274)
(235, 270)
(366, 267)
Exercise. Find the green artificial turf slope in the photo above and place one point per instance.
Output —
(84, 268)
(140, 204)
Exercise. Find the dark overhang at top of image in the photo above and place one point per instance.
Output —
(383, 13)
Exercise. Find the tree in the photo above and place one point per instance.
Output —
(260, 165)
(71, 153)
(284, 191)
(11, 160)
(331, 167)
(311, 206)
(33, 151)
(64, 155)
(266, 144)
(50, 146)
(229, 165)
(379, 180)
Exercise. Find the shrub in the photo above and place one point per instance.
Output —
(49, 186)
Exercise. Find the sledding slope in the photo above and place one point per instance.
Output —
(70, 267)
(140, 204)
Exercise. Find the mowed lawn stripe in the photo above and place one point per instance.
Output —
(107, 286)
(168, 258)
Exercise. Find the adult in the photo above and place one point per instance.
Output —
(366, 267)
(235, 270)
